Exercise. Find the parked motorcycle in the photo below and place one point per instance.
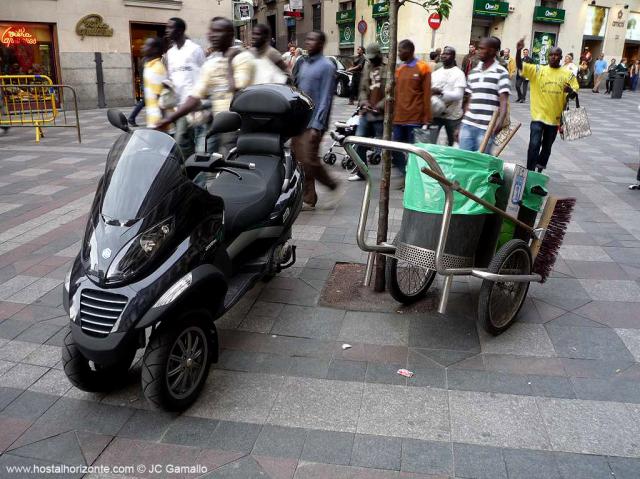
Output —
(171, 245)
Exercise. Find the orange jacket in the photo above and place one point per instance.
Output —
(413, 94)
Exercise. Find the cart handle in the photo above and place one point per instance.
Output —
(349, 144)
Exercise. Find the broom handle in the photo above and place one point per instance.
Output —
(487, 135)
(506, 142)
(471, 196)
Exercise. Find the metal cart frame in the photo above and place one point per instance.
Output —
(448, 187)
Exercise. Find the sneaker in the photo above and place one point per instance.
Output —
(132, 123)
(634, 187)
(307, 207)
(355, 177)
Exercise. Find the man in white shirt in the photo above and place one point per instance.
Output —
(184, 60)
(448, 83)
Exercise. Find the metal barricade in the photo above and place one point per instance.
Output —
(34, 101)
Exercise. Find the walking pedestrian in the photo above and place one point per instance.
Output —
(522, 84)
(470, 60)
(611, 75)
(634, 72)
(550, 87)
(371, 101)
(269, 65)
(153, 74)
(356, 72)
(226, 71)
(315, 75)
(184, 60)
(488, 88)
(412, 108)
(449, 84)
(599, 72)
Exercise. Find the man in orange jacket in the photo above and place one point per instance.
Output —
(412, 108)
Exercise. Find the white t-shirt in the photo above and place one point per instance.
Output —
(184, 67)
(450, 80)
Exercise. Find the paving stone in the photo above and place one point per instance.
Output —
(564, 293)
(426, 457)
(595, 368)
(496, 420)
(318, 404)
(22, 376)
(377, 452)
(469, 380)
(12, 428)
(39, 333)
(10, 328)
(587, 343)
(404, 411)
(280, 441)
(522, 464)
(16, 350)
(233, 436)
(613, 314)
(53, 382)
(253, 362)
(610, 389)
(63, 448)
(435, 331)
(590, 427)
(524, 365)
(7, 395)
(624, 467)
(322, 323)
(384, 373)
(571, 319)
(92, 444)
(147, 425)
(478, 462)
(597, 270)
(631, 339)
(345, 370)
(309, 367)
(44, 355)
(244, 467)
(29, 405)
(375, 328)
(582, 466)
(328, 447)
(551, 386)
(34, 291)
(521, 339)
(444, 357)
(9, 460)
(612, 290)
(584, 253)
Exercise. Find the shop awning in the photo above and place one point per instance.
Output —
(548, 15)
(489, 8)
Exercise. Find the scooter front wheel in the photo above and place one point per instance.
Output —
(176, 362)
(92, 377)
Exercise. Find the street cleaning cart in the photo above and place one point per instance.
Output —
(449, 230)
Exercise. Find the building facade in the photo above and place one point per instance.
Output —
(72, 41)
(611, 27)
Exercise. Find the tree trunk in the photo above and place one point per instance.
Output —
(383, 204)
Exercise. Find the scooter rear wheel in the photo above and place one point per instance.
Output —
(176, 362)
(98, 378)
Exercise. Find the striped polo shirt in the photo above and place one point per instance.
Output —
(485, 88)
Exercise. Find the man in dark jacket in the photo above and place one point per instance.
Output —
(522, 84)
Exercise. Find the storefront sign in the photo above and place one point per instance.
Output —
(619, 22)
(93, 26)
(347, 35)
(633, 26)
(346, 16)
(542, 43)
(548, 15)
(17, 36)
(489, 8)
(296, 4)
(383, 34)
(596, 24)
(242, 11)
(380, 10)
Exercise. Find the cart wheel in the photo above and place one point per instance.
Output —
(329, 158)
(407, 282)
(348, 164)
(500, 302)
(375, 159)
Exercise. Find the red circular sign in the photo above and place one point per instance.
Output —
(362, 27)
(434, 21)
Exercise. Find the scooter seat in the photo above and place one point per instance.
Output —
(249, 200)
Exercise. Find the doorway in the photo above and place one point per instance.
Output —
(139, 33)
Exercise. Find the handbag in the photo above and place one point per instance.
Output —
(575, 122)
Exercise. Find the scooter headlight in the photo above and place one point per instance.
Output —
(139, 250)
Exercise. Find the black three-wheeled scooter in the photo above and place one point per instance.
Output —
(171, 245)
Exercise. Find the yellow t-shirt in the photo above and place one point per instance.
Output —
(547, 91)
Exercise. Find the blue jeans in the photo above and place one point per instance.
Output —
(471, 138)
(367, 129)
(403, 134)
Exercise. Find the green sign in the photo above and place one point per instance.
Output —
(345, 16)
(542, 43)
(548, 15)
(383, 35)
(380, 10)
(490, 8)
(347, 35)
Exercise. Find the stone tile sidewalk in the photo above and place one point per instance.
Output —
(556, 396)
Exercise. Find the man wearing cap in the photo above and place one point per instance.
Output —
(371, 100)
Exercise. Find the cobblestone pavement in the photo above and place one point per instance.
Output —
(556, 396)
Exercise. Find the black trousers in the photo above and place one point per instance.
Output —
(450, 126)
(522, 85)
(541, 140)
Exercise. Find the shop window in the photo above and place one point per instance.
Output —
(317, 16)
(27, 49)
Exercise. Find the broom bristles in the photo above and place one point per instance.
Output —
(554, 235)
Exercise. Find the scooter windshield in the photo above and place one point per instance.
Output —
(141, 169)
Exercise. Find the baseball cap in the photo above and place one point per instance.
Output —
(373, 50)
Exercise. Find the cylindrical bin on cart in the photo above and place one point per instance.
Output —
(535, 191)
(423, 204)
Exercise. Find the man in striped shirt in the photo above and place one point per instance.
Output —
(487, 90)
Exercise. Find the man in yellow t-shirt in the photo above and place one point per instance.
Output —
(550, 86)
(153, 75)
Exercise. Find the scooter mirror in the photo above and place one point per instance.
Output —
(225, 122)
(117, 119)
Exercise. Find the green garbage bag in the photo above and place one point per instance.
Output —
(530, 199)
(471, 169)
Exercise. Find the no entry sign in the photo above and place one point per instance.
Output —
(434, 21)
